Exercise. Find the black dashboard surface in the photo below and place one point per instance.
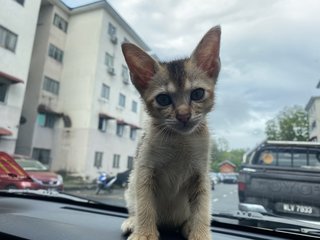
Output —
(38, 219)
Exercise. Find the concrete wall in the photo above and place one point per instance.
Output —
(77, 89)
(35, 78)
(22, 21)
(83, 74)
(33, 135)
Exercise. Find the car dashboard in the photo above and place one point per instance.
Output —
(37, 218)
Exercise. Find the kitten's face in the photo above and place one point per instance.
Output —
(179, 96)
(180, 93)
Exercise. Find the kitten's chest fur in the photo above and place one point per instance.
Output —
(175, 159)
(175, 163)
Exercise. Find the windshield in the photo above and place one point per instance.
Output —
(31, 165)
(289, 158)
(67, 100)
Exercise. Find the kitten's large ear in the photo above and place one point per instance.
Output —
(206, 54)
(142, 66)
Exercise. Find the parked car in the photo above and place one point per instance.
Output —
(12, 176)
(214, 177)
(230, 178)
(282, 178)
(220, 177)
(40, 173)
(26, 174)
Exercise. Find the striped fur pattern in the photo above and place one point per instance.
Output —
(169, 186)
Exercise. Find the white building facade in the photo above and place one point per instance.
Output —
(84, 114)
(313, 110)
(17, 30)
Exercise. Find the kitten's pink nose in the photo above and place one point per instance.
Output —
(184, 117)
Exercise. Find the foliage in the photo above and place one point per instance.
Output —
(291, 124)
(220, 152)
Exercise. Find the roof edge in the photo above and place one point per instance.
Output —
(310, 102)
(104, 4)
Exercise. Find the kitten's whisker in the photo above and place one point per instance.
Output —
(170, 121)
(197, 117)
(163, 133)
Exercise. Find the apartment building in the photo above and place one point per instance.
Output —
(313, 110)
(83, 114)
(18, 20)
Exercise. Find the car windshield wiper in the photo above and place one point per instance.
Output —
(276, 223)
(46, 193)
(311, 231)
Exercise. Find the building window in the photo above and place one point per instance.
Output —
(105, 91)
(116, 161)
(8, 39)
(102, 124)
(42, 155)
(134, 106)
(4, 86)
(122, 100)
(98, 159)
(55, 53)
(313, 125)
(60, 23)
(21, 2)
(130, 162)
(51, 85)
(125, 74)
(120, 129)
(46, 120)
(112, 31)
(109, 60)
(133, 133)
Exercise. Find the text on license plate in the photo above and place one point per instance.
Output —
(297, 208)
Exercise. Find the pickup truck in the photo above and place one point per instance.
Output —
(281, 178)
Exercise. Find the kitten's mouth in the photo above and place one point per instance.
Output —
(185, 128)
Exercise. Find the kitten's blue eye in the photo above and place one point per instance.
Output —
(197, 94)
(163, 100)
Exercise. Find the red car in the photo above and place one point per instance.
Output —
(17, 172)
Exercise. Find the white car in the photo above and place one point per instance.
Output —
(214, 177)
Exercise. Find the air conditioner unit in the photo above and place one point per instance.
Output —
(111, 71)
(114, 39)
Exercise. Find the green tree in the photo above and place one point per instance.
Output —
(272, 130)
(220, 151)
(291, 124)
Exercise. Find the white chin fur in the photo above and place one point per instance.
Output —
(188, 129)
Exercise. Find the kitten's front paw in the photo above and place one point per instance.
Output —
(144, 236)
(192, 233)
(127, 226)
(199, 235)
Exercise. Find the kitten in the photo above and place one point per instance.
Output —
(169, 185)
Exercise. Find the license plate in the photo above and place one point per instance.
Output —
(295, 208)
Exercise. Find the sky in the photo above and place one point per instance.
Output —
(270, 54)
